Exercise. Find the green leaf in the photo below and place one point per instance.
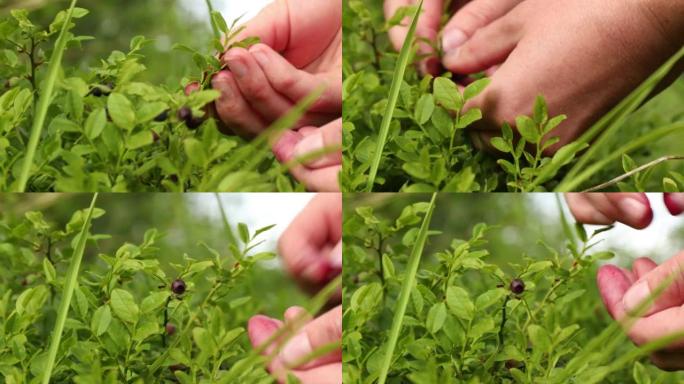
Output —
(528, 129)
(204, 341)
(459, 303)
(424, 109)
(96, 123)
(447, 95)
(102, 318)
(475, 88)
(436, 317)
(195, 151)
(121, 111)
(489, 298)
(49, 270)
(539, 337)
(124, 306)
(243, 231)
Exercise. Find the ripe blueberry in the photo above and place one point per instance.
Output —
(194, 123)
(178, 286)
(517, 286)
(170, 329)
(185, 114)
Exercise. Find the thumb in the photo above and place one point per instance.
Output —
(668, 278)
(674, 202)
(327, 139)
(321, 332)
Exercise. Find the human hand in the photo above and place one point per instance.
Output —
(623, 291)
(315, 334)
(300, 52)
(470, 16)
(584, 56)
(311, 246)
(631, 209)
(319, 174)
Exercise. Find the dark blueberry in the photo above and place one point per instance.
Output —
(170, 329)
(178, 286)
(194, 123)
(517, 286)
(162, 116)
(185, 114)
(97, 92)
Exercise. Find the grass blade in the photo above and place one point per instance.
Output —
(407, 285)
(398, 77)
(224, 217)
(614, 119)
(44, 101)
(575, 182)
(69, 286)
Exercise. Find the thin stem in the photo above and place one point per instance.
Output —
(633, 172)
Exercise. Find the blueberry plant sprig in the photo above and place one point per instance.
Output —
(129, 320)
(470, 320)
(105, 130)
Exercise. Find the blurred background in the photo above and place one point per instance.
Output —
(523, 219)
(185, 220)
(114, 22)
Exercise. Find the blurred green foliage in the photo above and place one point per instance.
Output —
(115, 23)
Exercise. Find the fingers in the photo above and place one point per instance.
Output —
(306, 244)
(296, 84)
(427, 29)
(289, 28)
(666, 323)
(612, 283)
(472, 17)
(321, 173)
(233, 109)
(254, 85)
(642, 266)
(670, 276)
(319, 180)
(632, 209)
(674, 202)
(319, 333)
(489, 46)
(260, 328)
(327, 139)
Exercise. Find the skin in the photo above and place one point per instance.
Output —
(624, 290)
(315, 334)
(565, 50)
(298, 55)
(311, 248)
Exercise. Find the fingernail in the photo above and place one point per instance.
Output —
(635, 210)
(261, 57)
(636, 296)
(295, 349)
(237, 65)
(310, 144)
(284, 148)
(675, 203)
(452, 39)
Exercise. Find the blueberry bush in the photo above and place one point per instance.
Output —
(404, 132)
(471, 311)
(101, 128)
(144, 311)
